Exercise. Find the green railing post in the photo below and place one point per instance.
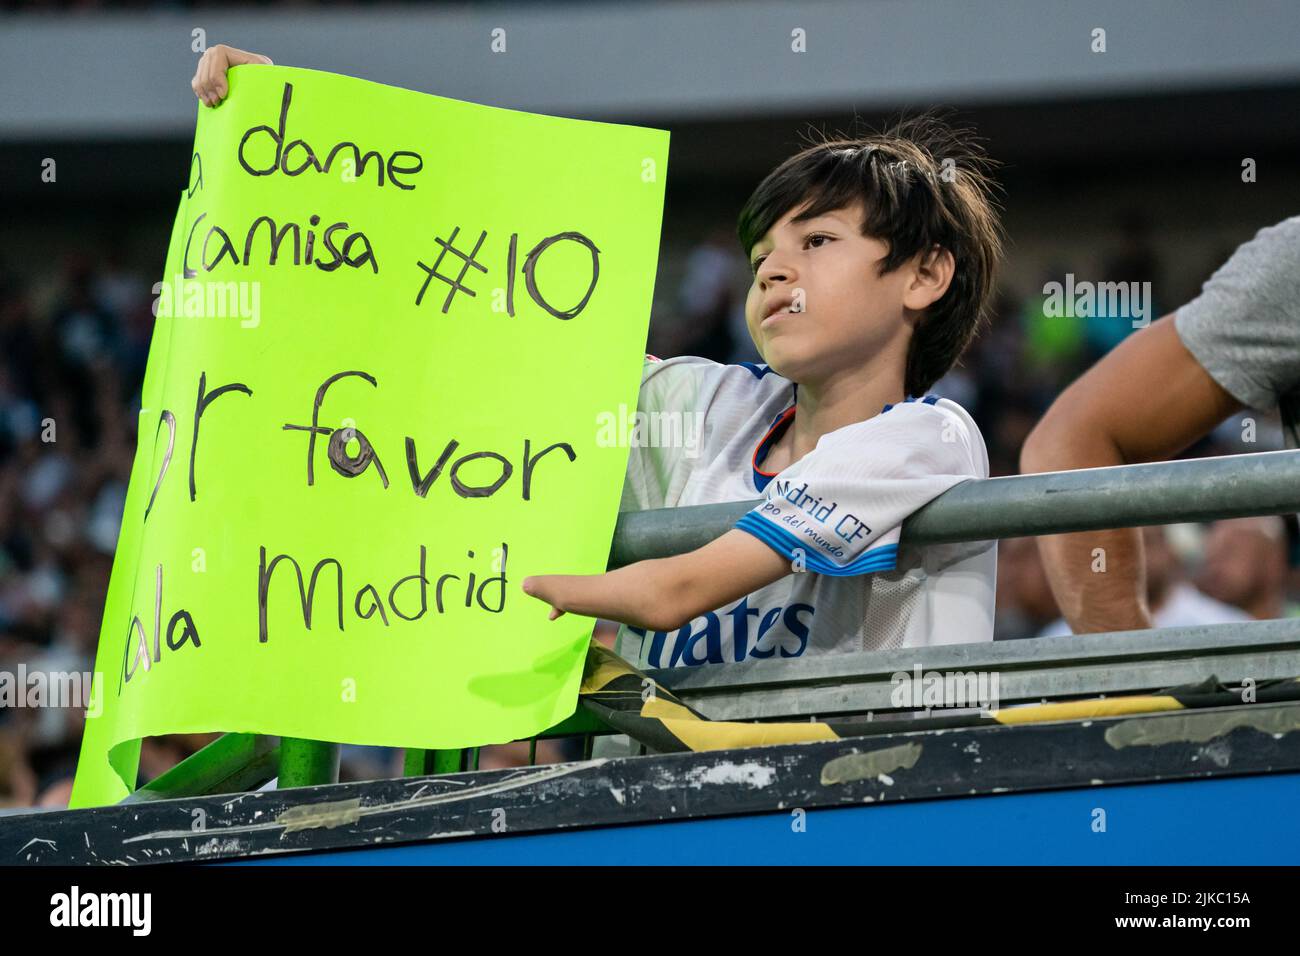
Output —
(307, 763)
(230, 764)
(422, 763)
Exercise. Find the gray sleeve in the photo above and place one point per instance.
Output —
(1244, 327)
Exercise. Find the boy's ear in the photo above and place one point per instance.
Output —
(931, 275)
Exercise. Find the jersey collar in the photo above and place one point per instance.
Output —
(781, 422)
(774, 432)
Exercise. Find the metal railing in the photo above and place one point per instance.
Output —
(1266, 483)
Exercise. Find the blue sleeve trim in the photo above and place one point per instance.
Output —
(927, 400)
(758, 370)
(883, 558)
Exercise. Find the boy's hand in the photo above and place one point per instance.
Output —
(664, 594)
(627, 595)
(557, 590)
(209, 83)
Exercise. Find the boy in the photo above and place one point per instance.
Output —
(874, 261)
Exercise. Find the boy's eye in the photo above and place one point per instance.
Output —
(807, 239)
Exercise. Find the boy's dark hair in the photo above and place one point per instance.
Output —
(914, 199)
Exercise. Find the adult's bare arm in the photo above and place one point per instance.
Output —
(1145, 401)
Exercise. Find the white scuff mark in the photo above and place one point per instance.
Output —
(619, 794)
(446, 780)
(1000, 790)
(418, 792)
(435, 835)
(971, 748)
(664, 780)
(751, 774)
(540, 775)
(1220, 752)
(868, 799)
(87, 836)
(217, 846)
(886, 779)
(53, 845)
(1094, 781)
(1086, 723)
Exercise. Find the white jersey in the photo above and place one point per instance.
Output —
(836, 513)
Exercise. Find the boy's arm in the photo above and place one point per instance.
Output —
(663, 594)
(849, 496)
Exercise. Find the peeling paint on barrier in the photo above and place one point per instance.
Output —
(1199, 728)
(750, 774)
(308, 816)
(873, 764)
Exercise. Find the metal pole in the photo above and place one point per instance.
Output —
(1127, 496)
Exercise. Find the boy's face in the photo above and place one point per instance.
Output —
(842, 313)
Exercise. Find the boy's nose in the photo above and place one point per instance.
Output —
(777, 272)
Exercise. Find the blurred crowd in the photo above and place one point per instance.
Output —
(72, 357)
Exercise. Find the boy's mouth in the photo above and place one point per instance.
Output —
(781, 305)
